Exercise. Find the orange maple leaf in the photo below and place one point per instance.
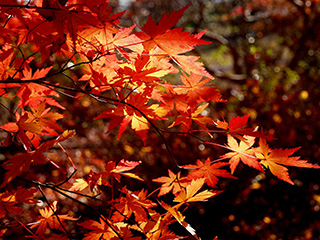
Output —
(170, 99)
(79, 185)
(180, 218)
(33, 94)
(38, 121)
(122, 167)
(276, 160)
(111, 169)
(197, 90)
(102, 231)
(208, 171)
(242, 151)
(139, 71)
(156, 227)
(45, 118)
(134, 202)
(174, 182)
(189, 194)
(93, 180)
(49, 219)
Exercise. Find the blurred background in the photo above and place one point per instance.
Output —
(265, 57)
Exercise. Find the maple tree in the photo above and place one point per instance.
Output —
(55, 50)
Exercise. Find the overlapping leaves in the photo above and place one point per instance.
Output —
(123, 70)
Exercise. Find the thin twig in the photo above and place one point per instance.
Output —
(54, 212)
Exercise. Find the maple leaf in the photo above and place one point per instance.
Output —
(235, 128)
(101, 73)
(174, 182)
(242, 151)
(21, 163)
(70, 19)
(140, 71)
(135, 111)
(134, 202)
(93, 179)
(39, 121)
(191, 64)
(180, 218)
(102, 231)
(104, 34)
(24, 195)
(49, 219)
(111, 169)
(197, 91)
(9, 201)
(166, 22)
(192, 114)
(172, 42)
(45, 118)
(276, 160)
(190, 193)
(19, 129)
(124, 166)
(208, 171)
(170, 99)
(79, 185)
(9, 64)
(33, 94)
(156, 227)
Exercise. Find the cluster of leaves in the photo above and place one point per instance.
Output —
(77, 49)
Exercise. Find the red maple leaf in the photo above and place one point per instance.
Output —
(162, 40)
(9, 63)
(9, 201)
(21, 163)
(31, 125)
(135, 202)
(33, 94)
(208, 171)
(136, 111)
(192, 114)
(153, 29)
(276, 160)
(236, 128)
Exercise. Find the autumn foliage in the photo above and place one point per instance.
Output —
(53, 50)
